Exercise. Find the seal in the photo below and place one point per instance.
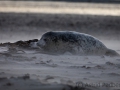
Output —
(73, 42)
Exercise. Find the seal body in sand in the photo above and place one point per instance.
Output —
(73, 42)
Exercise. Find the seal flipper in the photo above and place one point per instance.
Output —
(111, 52)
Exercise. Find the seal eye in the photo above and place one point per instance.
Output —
(45, 39)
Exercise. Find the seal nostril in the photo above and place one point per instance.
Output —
(41, 43)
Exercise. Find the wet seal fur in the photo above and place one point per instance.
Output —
(73, 42)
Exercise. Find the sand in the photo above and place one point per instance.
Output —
(27, 68)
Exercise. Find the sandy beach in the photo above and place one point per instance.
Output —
(26, 68)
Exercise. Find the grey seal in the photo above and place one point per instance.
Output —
(73, 42)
